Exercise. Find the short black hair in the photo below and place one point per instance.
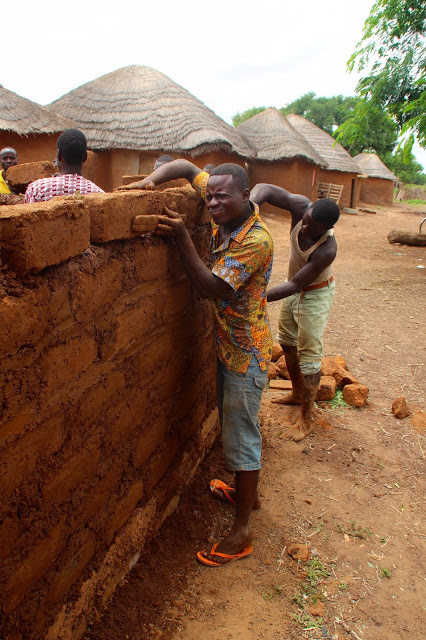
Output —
(164, 159)
(72, 144)
(239, 175)
(326, 212)
(6, 149)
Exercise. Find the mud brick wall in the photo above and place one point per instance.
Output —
(107, 399)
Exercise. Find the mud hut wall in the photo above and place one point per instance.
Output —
(376, 191)
(296, 176)
(344, 178)
(31, 148)
(107, 407)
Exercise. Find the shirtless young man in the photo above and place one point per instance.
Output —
(307, 296)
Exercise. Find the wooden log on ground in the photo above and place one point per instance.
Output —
(407, 237)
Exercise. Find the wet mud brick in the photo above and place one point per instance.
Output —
(35, 236)
(20, 176)
(112, 215)
(147, 224)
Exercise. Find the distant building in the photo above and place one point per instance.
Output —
(340, 166)
(283, 156)
(377, 181)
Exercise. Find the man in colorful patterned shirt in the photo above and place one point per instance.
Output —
(70, 156)
(242, 253)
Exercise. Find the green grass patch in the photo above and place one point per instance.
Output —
(337, 402)
(414, 201)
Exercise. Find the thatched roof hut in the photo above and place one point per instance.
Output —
(337, 158)
(139, 109)
(377, 180)
(373, 167)
(283, 156)
(341, 168)
(274, 139)
(28, 127)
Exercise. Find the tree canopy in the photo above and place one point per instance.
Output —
(392, 51)
(326, 113)
(245, 115)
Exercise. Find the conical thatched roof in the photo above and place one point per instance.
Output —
(24, 117)
(274, 139)
(140, 108)
(373, 167)
(337, 158)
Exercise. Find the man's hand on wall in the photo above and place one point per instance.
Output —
(171, 224)
(146, 184)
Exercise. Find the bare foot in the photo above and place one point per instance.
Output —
(300, 430)
(289, 398)
(234, 543)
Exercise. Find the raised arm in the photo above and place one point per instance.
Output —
(169, 171)
(296, 204)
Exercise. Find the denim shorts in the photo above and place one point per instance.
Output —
(239, 396)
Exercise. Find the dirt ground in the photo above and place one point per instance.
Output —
(352, 491)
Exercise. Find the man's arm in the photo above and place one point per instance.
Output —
(319, 260)
(295, 203)
(169, 171)
(205, 282)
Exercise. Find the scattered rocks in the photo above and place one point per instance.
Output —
(334, 374)
(299, 551)
(343, 377)
(356, 395)
(273, 371)
(329, 365)
(281, 366)
(327, 388)
(277, 352)
(400, 408)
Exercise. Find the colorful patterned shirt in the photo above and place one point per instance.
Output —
(68, 184)
(244, 261)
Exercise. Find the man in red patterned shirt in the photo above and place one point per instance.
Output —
(70, 156)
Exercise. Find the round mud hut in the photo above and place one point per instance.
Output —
(341, 168)
(377, 180)
(134, 114)
(283, 156)
(29, 128)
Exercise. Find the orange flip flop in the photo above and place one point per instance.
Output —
(211, 563)
(221, 490)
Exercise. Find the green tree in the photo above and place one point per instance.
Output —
(245, 115)
(368, 129)
(392, 51)
(326, 113)
(405, 167)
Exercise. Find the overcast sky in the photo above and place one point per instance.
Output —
(231, 55)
